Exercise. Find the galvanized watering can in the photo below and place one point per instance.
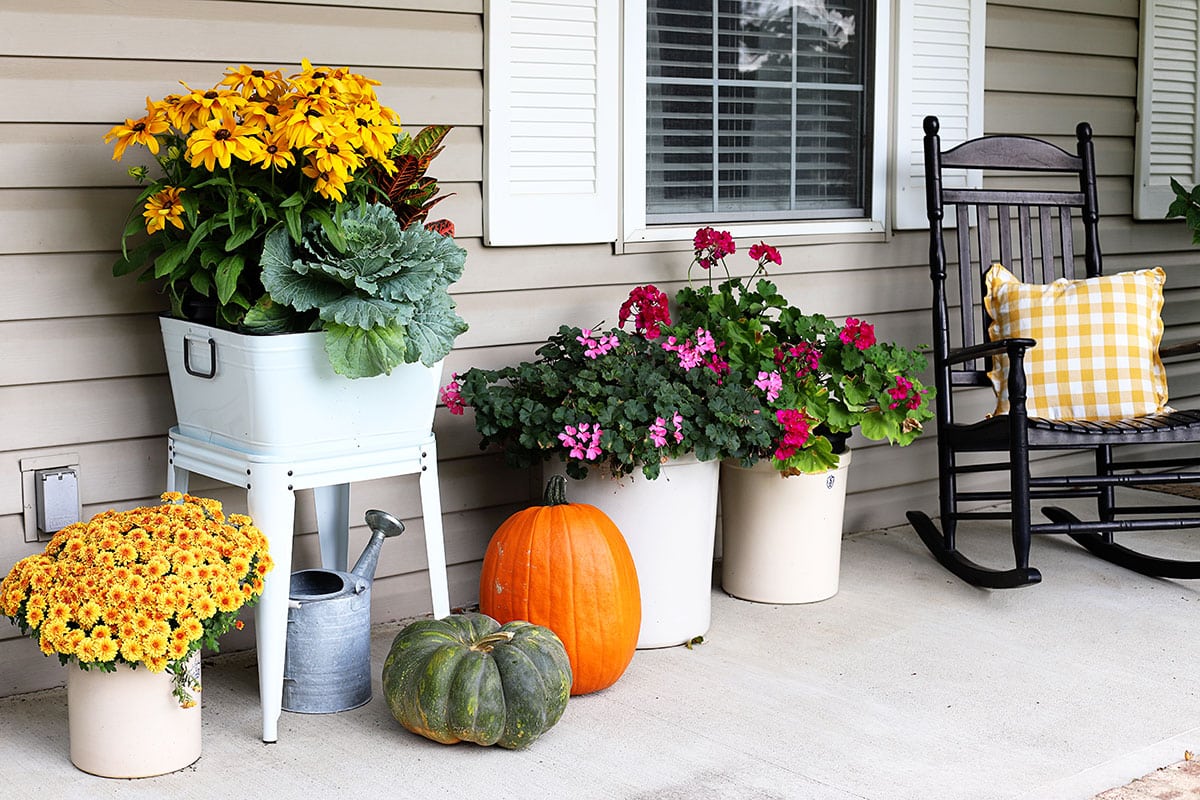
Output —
(328, 662)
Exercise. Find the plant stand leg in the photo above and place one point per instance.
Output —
(177, 477)
(333, 525)
(272, 506)
(435, 548)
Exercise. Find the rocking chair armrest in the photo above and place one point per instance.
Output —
(1000, 346)
(1180, 349)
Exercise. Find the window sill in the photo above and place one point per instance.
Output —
(780, 234)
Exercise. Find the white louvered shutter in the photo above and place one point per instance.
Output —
(551, 128)
(1167, 104)
(939, 72)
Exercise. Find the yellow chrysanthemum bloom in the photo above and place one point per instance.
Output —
(220, 140)
(204, 607)
(140, 131)
(89, 613)
(97, 602)
(34, 617)
(131, 650)
(161, 207)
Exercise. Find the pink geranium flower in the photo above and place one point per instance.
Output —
(582, 442)
(451, 397)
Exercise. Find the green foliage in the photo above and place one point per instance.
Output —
(379, 292)
(1187, 205)
(838, 383)
(626, 390)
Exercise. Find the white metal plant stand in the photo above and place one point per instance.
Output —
(270, 480)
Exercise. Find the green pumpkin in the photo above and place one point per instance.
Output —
(468, 678)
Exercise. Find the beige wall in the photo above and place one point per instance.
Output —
(81, 365)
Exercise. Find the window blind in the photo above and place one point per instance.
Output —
(756, 110)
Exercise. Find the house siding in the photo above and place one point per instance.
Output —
(82, 365)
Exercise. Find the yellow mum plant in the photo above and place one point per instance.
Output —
(255, 152)
(149, 586)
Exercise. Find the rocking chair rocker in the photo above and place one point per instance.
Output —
(1033, 237)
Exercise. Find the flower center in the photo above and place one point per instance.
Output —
(221, 134)
(333, 148)
(210, 95)
(257, 73)
(139, 126)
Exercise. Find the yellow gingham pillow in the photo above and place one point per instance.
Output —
(1097, 343)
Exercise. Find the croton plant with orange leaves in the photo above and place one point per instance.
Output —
(147, 586)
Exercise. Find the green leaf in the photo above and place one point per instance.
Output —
(228, 272)
(294, 200)
(201, 282)
(356, 353)
(433, 329)
(285, 284)
(267, 316)
(291, 217)
(136, 258)
(166, 263)
(243, 235)
(331, 229)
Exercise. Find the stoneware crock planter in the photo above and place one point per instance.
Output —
(670, 526)
(128, 724)
(781, 537)
(279, 393)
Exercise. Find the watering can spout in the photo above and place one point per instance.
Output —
(382, 525)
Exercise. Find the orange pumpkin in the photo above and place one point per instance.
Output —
(566, 566)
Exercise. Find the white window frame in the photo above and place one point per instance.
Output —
(633, 171)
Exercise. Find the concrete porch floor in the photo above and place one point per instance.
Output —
(908, 685)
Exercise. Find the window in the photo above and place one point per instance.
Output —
(633, 121)
(757, 110)
(757, 115)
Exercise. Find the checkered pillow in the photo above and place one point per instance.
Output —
(1097, 343)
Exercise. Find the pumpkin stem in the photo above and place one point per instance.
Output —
(487, 643)
(556, 491)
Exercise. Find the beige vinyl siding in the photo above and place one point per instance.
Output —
(81, 364)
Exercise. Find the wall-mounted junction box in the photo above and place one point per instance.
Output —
(50, 494)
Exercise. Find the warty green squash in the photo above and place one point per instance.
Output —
(468, 678)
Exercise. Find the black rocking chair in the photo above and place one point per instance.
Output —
(1033, 237)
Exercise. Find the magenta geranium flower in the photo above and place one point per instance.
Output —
(648, 306)
(451, 397)
(858, 333)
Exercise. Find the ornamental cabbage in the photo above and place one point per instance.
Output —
(380, 292)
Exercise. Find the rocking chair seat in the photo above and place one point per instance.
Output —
(993, 432)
